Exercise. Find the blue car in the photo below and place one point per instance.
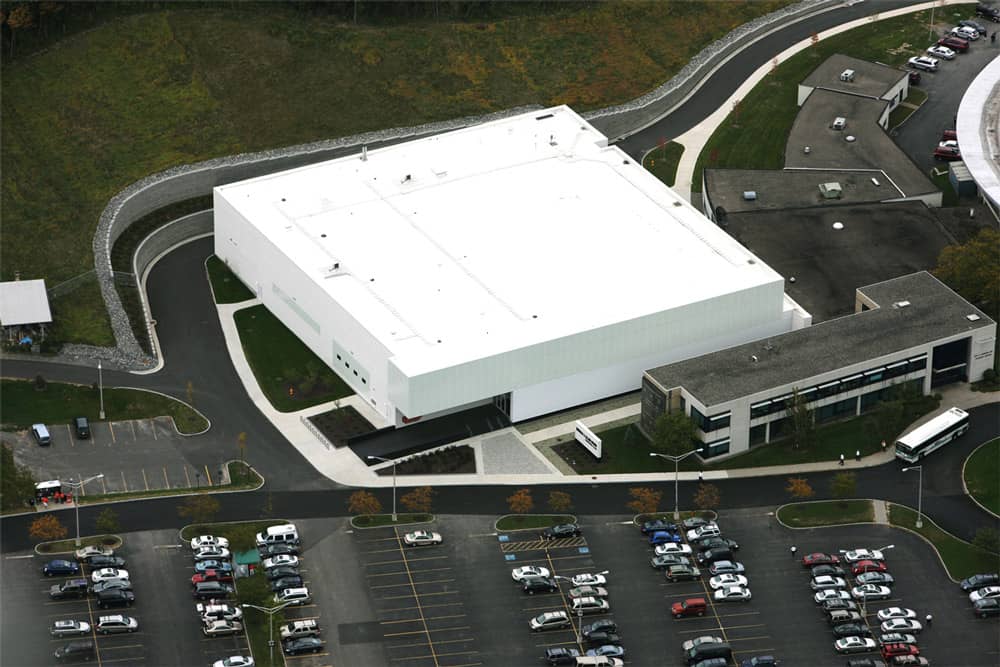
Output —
(662, 537)
(217, 565)
(608, 650)
(61, 568)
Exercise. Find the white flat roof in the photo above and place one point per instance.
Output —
(494, 237)
(978, 123)
(24, 302)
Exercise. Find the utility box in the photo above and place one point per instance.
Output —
(839, 123)
(847, 75)
(831, 190)
(749, 195)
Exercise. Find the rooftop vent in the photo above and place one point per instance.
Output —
(875, 182)
(749, 195)
(972, 317)
(901, 304)
(806, 150)
(838, 225)
(839, 123)
(850, 138)
(831, 190)
(847, 75)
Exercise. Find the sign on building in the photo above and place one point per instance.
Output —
(587, 438)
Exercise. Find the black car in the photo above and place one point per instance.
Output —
(986, 607)
(532, 585)
(278, 550)
(286, 582)
(977, 581)
(828, 571)
(716, 542)
(107, 561)
(206, 590)
(82, 427)
(650, 527)
(561, 656)
(71, 588)
(603, 638)
(562, 530)
(111, 585)
(987, 12)
(604, 625)
(82, 649)
(302, 645)
(282, 571)
(851, 630)
(115, 598)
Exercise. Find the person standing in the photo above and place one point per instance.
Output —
(841, 459)
(929, 620)
(857, 454)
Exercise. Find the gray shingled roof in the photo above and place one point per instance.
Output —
(935, 312)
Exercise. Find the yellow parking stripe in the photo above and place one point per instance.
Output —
(398, 574)
(424, 632)
(413, 583)
(435, 657)
(420, 620)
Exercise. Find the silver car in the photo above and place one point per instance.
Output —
(69, 628)
(116, 623)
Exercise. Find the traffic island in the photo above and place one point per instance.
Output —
(381, 520)
(826, 513)
(512, 522)
(960, 559)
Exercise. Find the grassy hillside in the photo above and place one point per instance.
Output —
(141, 93)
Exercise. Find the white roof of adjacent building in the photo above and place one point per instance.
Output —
(24, 302)
(978, 123)
(494, 237)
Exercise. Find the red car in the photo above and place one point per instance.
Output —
(863, 566)
(211, 575)
(954, 43)
(892, 650)
(949, 135)
(812, 560)
(947, 154)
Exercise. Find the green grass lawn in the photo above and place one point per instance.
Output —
(378, 520)
(982, 475)
(79, 317)
(180, 83)
(663, 162)
(241, 534)
(22, 405)
(526, 521)
(69, 546)
(960, 558)
(827, 513)
(256, 590)
(754, 135)
(226, 286)
(280, 360)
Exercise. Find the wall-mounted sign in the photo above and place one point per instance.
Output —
(587, 438)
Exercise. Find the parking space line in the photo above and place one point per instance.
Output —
(115, 648)
(186, 476)
(131, 423)
(166, 480)
(424, 632)
(299, 657)
(104, 487)
(124, 483)
(69, 435)
(435, 657)
(111, 426)
(141, 657)
(426, 618)
(750, 639)
(152, 424)
(396, 574)
(208, 475)
(402, 552)
(412, 560)
(145, 481)
(576, 630)
(439, 641)
(413, 583)
(426, 606)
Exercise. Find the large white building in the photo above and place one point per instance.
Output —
(522, 261)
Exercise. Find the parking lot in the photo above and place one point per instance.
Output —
(133, 455)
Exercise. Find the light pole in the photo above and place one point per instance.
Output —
(270, 611)
(920, 493)
(76, 501)
(393, 461)
(100, 388)
(677, 460)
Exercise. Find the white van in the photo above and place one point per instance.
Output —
(295, 629)
(41, 434)
(284, 534)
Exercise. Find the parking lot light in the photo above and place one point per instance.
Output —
(270, 611)
(78, 486)
(677, 460)
(385, 460)
(920, 493)
(100, 388)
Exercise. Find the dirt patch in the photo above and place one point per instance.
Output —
(340, 425)
(460, 459)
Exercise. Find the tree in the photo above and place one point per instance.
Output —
(418, 500)
(521, 502)
(201, 508)
(47, 528)
(560, 502)
(708, 497)
(107, 522)
(19, 18)
(644, 500)
(674, 434)
(886, 421)
(799, 488)
(17, 485)
(844, 485)
(363, 502)
(973, 270)
(987, 539)
(802, 421)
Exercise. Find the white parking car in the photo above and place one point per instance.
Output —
(854, 555)
(831, 594)
(924, 63)
(672, 548)
(106, 573)
(854, 645)
(871, 592)
(941, 52)
(421, 538)
(965, 32)
(826, 581)
(708, 530)
(234, 661)
(589, 580)
(279, 560)
(222, 628)
(218, 612)
(549, 620)
(528, 571)
(209, 541)
(68, 627)
(723, 580)
(211, 553)
(901, 625)
(984, 593)
(732, 594)
(895, 612)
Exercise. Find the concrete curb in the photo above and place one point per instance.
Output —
(521, 530)
(187, 542)
(826, 525)
(965, 488)
(73, 550)
(172, 398)
(931, 544)
(669, 513)
(391, 525)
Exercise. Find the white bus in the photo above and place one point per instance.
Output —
(938, 432)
